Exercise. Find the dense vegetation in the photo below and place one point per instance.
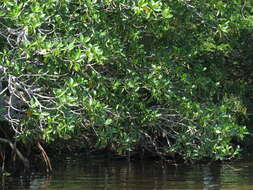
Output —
(167, 77)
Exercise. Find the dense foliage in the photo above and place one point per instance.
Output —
(160, 76)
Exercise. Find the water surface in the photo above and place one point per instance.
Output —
(121, 175)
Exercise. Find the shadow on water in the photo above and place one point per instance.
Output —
(116, 175)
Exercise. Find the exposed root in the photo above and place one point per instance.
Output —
(15, 149)
(2, 155)
(45, 157)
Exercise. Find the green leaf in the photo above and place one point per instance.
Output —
(166, 13)
(108, 121)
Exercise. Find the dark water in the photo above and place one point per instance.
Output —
(121, 175)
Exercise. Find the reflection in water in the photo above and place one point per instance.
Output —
(26, 181)
(120, 175)
(211, 177)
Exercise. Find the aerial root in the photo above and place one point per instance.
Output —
(45, 157)
(16, 151)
